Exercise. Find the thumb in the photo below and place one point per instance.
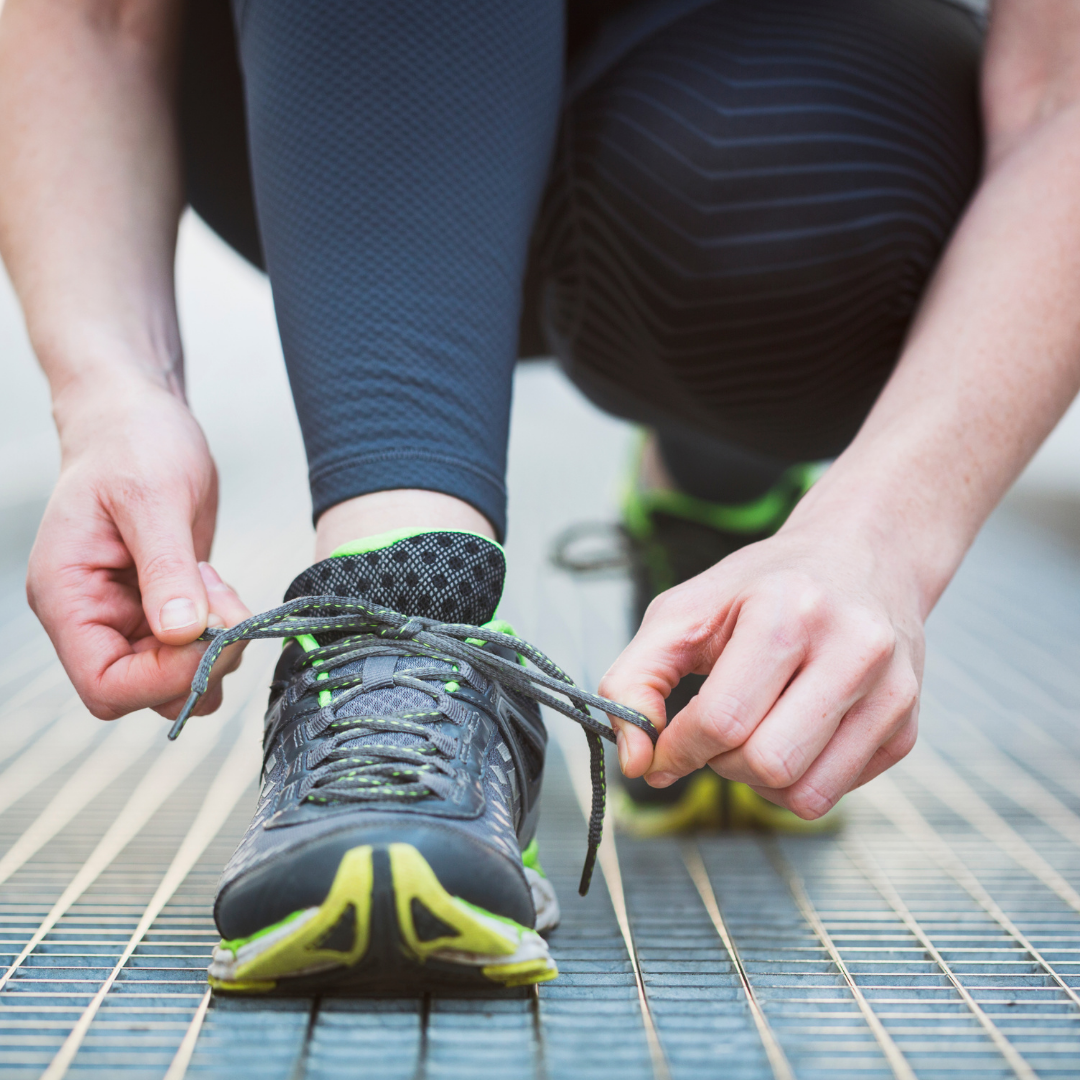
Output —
(173, 594)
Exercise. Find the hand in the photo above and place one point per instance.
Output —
(117, 575)
(812, 645)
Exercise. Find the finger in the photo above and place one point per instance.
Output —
(875, 734)
(226, 609)
(90, 606)
(159, 537)
(767, 647)
(208, 703)
(642, 678)
(890, 752)
(148, 674)
(802, 722)
(145, 676)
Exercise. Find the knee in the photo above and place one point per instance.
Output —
(747, 207)
(719, 153)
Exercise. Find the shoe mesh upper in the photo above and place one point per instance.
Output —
(453, 576)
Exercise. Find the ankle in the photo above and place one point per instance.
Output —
(405, 508)
(653, 474)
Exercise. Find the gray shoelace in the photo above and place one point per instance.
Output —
(377, 627)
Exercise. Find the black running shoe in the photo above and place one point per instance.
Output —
(393, 844)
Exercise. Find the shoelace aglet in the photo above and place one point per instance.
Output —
(185, 712)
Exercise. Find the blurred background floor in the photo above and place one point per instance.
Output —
(937, 935)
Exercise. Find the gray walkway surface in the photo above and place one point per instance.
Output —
(937, 935)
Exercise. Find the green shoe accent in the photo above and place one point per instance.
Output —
(530, 857)
(515, 955)
(711, 803)
(308, 643)
(764, 514)
(384, 540)
(674, 536)
(700, 807)
(335, 936)
(749, 810)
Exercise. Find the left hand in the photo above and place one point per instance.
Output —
(812, 645)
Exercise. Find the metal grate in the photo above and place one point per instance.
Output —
(937, 936)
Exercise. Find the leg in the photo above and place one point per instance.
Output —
(213, 128)
(757, 194)
(398, 153)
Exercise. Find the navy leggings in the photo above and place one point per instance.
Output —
(718, 214)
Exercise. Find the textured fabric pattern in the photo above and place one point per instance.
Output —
(746, 207)
(746, 203)
(399, 152)
(451, 576)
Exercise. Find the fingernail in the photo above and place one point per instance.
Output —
(661, 779)
(624, 754)
(178, 613)
(211, 578)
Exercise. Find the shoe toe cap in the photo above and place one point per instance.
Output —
(300, 877)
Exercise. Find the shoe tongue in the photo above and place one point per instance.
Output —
(446, 575)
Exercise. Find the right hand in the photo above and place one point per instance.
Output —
(117, 574)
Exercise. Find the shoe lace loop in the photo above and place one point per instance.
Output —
(421, 636)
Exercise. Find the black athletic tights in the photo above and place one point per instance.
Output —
(719, 216)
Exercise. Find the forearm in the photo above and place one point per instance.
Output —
(90, 188)
(991, 363)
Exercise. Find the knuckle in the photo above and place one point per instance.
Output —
(809, 803)
(878, 640)
(164, 564)
(101, 710)
(609, 687)
(776, 763)
(810, 600)
(898, 747)
(906, 693)
(678, 612)
(725, 720)
(663, 607)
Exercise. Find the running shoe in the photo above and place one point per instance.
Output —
(393, 846)
(673, 537)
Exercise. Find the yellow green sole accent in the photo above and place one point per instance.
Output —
(332, 941)
(711, 803)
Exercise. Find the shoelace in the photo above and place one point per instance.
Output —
(348, 765)
(332, 614)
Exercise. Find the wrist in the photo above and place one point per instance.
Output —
(100, 401)
(110, 384)
(83, 358)
(900, 518)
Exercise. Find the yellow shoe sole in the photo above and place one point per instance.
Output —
(711, 803)
(387, 923)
